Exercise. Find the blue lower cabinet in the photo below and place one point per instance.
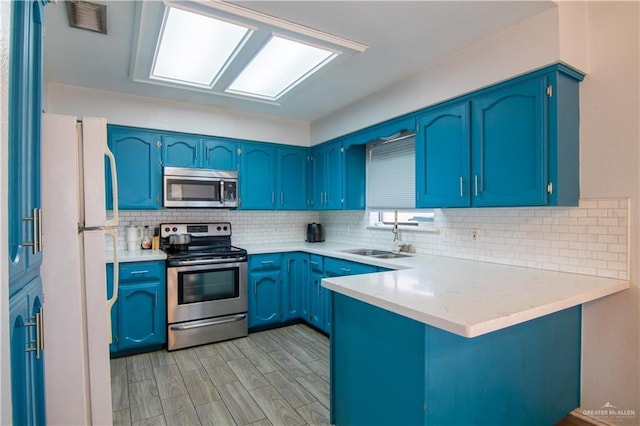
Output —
(527, 374)
(339, 268)
(138, 318)
(296, 273)
(27, 355)
(316, 301)
(265, 301)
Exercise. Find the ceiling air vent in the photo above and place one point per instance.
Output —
(87, 16)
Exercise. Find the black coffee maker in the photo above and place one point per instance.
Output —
(314, 233)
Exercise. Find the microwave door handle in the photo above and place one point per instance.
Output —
(221, 192)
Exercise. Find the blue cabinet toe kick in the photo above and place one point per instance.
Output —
(388, 369)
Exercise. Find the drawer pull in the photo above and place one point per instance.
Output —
(267, 262)
(138, 272)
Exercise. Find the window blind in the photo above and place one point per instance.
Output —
(391, 174)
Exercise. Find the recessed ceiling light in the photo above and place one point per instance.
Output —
(194, 49)
(278, 67)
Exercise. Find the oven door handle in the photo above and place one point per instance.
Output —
(206, 261)
(201, 324)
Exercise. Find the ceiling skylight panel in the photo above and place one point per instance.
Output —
(194, 48)
(278, 67)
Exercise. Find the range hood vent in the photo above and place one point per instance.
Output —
(87, 16)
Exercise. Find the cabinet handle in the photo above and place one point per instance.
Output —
(37, 342)
(42, 328)
(35, 227)
(281, 198)
(195, 154)
(146, 271)
(156, 298)
(273, 198)
(311, 262)
(255, 289)
(289, 266)
(475, 178)
(318, 284)
(221, 192)
(267, 262)
(461, 189)
(345, 270)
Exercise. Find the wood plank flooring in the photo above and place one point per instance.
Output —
(273, 377)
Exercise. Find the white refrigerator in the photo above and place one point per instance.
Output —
(77, 309)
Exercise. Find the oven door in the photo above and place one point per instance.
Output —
(197, 292)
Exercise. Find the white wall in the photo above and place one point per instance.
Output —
(5, 368)
(609, 166)
(133, 110)
(601, 38)
(519, 49)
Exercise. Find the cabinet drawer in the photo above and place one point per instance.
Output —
(316, 263)
(337, 267)
(141, 271)
(265, 262)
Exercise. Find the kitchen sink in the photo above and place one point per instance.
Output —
(380, 254)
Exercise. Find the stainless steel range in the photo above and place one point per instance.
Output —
(206, 284)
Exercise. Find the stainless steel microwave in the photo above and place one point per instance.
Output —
(202, 188)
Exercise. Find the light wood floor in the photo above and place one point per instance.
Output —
(273, 377)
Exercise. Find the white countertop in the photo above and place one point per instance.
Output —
(125, 256)
(464, 297)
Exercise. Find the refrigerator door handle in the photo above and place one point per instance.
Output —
(113, 233)
(114, 185)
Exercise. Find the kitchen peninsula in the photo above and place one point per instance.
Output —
(449, 341)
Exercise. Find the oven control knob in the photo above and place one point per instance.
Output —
(166, 229)
(219, 228)
(175, 229)
(225, 228)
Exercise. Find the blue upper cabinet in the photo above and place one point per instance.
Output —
(292, 178)
(181, 151)
(139, 166)
(25, 108)
(258, 176)
(273, 177)
(219, 153)
(327, 174)
(513, 144)
(509, 165)
(443, 148)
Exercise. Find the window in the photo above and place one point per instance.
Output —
(416, 218)
(391, 177)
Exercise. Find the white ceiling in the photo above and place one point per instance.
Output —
(404, 37)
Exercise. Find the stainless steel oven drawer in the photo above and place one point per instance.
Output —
(200, 332)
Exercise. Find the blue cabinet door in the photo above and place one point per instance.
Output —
(27, 355)
(317, 306)
(20, 359)
(443, 154)
(334, 172)
(265, 306)
(296, 278)
(258, 177)
(141, 315)
(292, 178)
(181, 151)
(327, 175)
(25, 117)
(220, 153)
(139, 166)
(509, 145)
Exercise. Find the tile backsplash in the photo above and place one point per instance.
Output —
(248, 227)
(591, 239)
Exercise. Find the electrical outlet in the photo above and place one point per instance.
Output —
(474, 235)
